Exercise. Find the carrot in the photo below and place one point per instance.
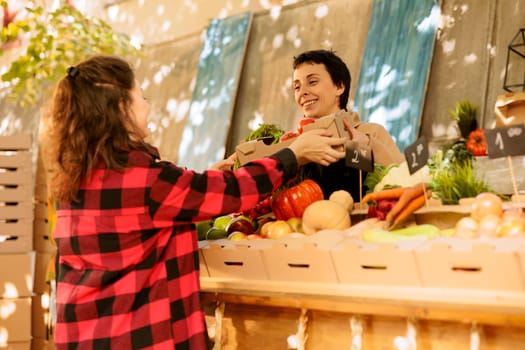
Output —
(409, 209)
(390, 193)
(409, 194)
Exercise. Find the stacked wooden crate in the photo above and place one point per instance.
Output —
(24, 299)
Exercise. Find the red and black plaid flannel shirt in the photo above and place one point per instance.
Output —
(128, 255)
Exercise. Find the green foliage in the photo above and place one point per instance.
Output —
(464, 111)
(465, 115)
(55, 40)
(453, 176)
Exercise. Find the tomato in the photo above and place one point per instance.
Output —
(288, 135)
(476, 143)
(304, 121)
(293, 201)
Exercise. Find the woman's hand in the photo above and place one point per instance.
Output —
(356, 135)
(225, 164)
(317, 146)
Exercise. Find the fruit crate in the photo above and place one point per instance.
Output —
(236, 259)
(390, 264)
(303, 258)
(471, 263)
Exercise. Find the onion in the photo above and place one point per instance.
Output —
(486, 203)
(489, 225)
(466, 227)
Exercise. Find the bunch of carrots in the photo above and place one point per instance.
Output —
(405, 201)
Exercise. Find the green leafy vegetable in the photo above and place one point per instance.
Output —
(270, 131)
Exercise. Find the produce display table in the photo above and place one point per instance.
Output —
(443, 318)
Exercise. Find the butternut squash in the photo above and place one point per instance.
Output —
(344, 198)
(325, 215)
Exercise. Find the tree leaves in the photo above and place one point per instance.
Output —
(54, 41)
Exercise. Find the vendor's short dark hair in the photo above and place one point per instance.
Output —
(335, 66)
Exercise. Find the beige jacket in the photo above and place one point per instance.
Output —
(383, 145)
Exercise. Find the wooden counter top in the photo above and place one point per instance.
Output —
(492, 307)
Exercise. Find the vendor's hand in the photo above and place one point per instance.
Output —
(356, 135)
(225, 164)
(317, 146)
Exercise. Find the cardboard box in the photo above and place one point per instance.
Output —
(510, 109)
(16, 194)
(442, 216)
(25, 345)
(16, 142)
(16, 160)
(43, 244)
(304, 258)
(490, 264)
(236, 259)
(43, 261)
(250, 150)
(203, 269)
(22, 210)
(256, 149)
(359, 262)
(41, 326)
(16, 319)
(16, 177)
(331, 123)
(16, 235)
(16, 244)
(17, 273)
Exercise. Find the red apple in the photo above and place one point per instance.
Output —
(242, 224)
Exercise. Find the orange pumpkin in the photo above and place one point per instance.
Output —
(293, 201)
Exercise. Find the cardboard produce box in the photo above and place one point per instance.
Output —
(251, 150)
(17, 273)
(16, 320)
(359, 262)
(303, 258)
(256, 149)
(510, 109)
(490, 264)
(236, 259)
(41, 320)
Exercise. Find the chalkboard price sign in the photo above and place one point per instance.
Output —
(417, 154)
(359, 156)
(505, 141)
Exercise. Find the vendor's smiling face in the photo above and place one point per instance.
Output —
(316, 95)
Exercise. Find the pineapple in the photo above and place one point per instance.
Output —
(465, 115)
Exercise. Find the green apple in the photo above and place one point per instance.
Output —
(221, 222)
(202, 227)
(216, 233)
